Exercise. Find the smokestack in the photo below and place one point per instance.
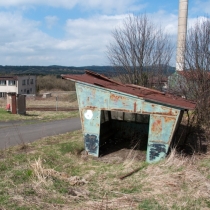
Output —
(182, 31)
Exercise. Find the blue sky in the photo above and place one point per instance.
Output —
(77, 32)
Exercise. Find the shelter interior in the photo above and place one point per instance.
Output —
(123, 130)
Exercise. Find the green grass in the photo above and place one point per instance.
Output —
(59, 160)
(150, 204)
(32, 116)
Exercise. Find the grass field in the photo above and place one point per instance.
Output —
(64, 99)
(37, 115)
(53, 173)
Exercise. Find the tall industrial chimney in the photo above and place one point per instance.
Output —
(182, 31)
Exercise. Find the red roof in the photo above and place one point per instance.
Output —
(139, 91)
(8, 77)
(194, 75)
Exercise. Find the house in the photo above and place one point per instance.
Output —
(114, 112)
(17, 84)
(159, 83)
(189, 83)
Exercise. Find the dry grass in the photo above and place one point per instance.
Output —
(53, 174)
(64, 99)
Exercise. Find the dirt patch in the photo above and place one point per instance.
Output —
(121, 156)
(124, 154)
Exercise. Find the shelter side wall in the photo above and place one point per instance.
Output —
(161, 132)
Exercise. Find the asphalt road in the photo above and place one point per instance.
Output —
(14, 133)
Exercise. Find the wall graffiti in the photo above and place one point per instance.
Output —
(91, 143)
(156, 150)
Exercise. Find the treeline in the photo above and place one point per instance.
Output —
(50, 82)
(53, 70)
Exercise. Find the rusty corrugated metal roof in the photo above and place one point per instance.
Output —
(8, 77)
(139, 91)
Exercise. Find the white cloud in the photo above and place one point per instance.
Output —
(84, 41)
(53, 3)
(23, 43)
(167, 21)
(108, 6)
(51, 21)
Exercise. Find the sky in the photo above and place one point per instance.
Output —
(77, 32)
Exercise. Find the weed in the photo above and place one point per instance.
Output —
(60, 186)
(4, 199)
(131, 189)
(150, 204)
(3, 166)
(21, 176)
(73, 147)
(207, 203)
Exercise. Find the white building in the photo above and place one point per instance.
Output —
(17, 84)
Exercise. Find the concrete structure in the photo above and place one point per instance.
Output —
(111, 111)
(46, 95)
(16, 103)
(17, 84)
(182, 31)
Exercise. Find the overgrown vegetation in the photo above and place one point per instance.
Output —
(50, 82)
(53, 173)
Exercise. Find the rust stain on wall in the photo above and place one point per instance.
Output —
(116, 98)
(134, 107)
(157, 126)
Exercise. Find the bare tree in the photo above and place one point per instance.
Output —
(197, 60)
(140, 51)
(194, 82)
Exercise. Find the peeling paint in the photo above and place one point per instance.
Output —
(157, 151)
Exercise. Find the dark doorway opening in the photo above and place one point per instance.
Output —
(120, 130)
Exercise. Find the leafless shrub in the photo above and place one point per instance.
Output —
(140, 52)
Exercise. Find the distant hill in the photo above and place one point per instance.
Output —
(58, 70)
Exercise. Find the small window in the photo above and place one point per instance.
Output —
(129, 117)
(104, 116)
(24, 90)
(142, 118)
(2, 94)
(117, 115)
(3, 82)
(23, 82)
(27, 81)
(11, 82)
(32, 81)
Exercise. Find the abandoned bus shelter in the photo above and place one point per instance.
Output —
(111, 111)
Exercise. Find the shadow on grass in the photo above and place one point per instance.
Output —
(189, 142)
